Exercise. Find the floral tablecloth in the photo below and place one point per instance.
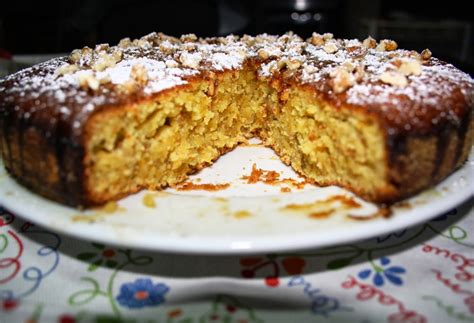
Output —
(422, 274)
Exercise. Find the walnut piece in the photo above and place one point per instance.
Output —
(349, 65)
(167, 48)
(124, 43)
(139, 74)
(75, 56)
(88, 81)
(67, 69)
(263, 54)
(171, 63)
(317, 39)
(410, 67)
(394, 78)
(103, 61)
(330, 47)
(188, 38)
(386, 45)
(342, 79)
(293, 64)
(142, 43)
(101, 47)
(369, 42)
(426, 54)
(191, 60)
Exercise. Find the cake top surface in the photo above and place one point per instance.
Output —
(411, 91)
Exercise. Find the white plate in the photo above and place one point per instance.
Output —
(244, 218)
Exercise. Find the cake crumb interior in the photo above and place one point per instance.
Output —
(158, 143)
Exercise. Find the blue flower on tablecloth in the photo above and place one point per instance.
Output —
(380, 273)
(142, 292)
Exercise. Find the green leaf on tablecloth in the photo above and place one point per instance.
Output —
(86, 255)
(98, 245)
(110, 263)
(111, 319)
(339, 263)
(94, 265)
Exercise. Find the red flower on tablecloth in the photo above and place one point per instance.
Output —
(292, 265)
(142, 292)
(103, 256)
(66, 318)
(406, 317)
(9, 304)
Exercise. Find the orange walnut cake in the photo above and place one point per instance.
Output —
(103, 123)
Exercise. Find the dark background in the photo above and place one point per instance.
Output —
(29, 27)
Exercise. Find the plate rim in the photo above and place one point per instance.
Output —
(228, 245)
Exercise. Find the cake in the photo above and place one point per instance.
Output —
(103, 123)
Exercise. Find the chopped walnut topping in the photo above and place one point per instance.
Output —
(410, 67)
(414, 55)
(167, 48)
(188, 38)
(327, 36)
(139, 74)
(88, 81)
(117, 55)
(386, 45)
(173, 40)
(142, 43)
(190, 47)
(349, 65)
(293, 64)
(426, 54)
(316, 39)
(152, 37)
(357, 51)
(241, 53)
(124, 43)
(394, 78)
(310, 69)
(360, 71)
(330, 47)
(369, 42)
(101, 47)
(67, 69)
(104, 61)
(75, 56)
(230, 39)
(248, 40)
(171, 63)
(273, 67)
(190, 60)
(319, 40)
(263, 54)
(342, 80)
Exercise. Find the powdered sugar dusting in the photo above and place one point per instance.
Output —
(105, 75)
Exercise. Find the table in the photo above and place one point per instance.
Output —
(420, 274)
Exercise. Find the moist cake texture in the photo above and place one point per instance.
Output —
(106, 122)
